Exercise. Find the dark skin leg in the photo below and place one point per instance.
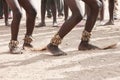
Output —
(30, 21)
(30, 14)
(15, 6)
(43, 10)
(53, 10)
(65, 11)
(102, 11)
(94, 10)
(59, 5)
(111, 9)
(91, 19)
(49, 15)
(87, 10)
(5, 7)
(75, 19)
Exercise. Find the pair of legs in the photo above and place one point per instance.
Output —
(59, 7)
(111, 11)
(16, 5)
(43, 11)
(68, 25)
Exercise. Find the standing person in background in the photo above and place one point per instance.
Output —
(111, 12)
(102, 10)
(48, 10)
(16, 5)
(68, 25)
(6, 12)
(43, 11)
(66, 11)
(59, 5)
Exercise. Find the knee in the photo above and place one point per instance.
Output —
(78, 16)
(17, 14)
(32, 13)
(97, 6)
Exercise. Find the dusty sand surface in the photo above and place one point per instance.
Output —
(77, 65)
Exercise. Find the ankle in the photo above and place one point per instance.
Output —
(13, 43)
(27, 41)
(56, 40)
(13, 46)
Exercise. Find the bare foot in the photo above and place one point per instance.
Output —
(55, 24)
(109, 23)
(87, 46)
(15, 50)
(7, 24)
(101, 23)
(41, 25)
(55, 50)
(27, 46)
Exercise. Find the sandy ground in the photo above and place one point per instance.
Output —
(77, 65)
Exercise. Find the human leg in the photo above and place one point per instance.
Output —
(53, 10)
(91, 19)
(111, 10)
(13, 45)
(43, 10)
(49, 14)
(66, 27)
(102, 11)
(60, 7)
(5, 7)
(30, 21)
(66, 11)
(87, 11)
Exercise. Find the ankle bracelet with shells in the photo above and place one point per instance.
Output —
(86, 36)
(56, 40)
(13, 43)
(28, 39)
